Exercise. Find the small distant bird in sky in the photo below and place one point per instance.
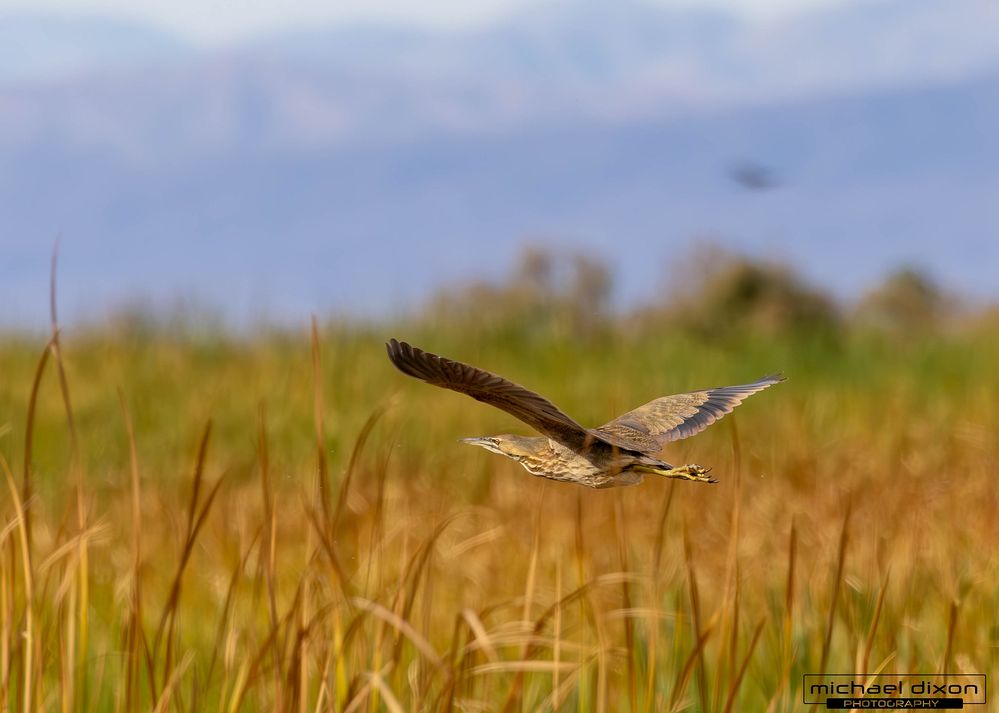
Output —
(753, 176)
(620, 452)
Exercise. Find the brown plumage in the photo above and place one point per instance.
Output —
(617, 453)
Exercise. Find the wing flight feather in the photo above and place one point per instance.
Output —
(671, 418)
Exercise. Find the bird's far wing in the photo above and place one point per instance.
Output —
(531, 408)
(671, 418)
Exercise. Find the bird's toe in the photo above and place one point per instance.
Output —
(699, 473)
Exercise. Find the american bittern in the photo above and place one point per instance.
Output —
(618, 453)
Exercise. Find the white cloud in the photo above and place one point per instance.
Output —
(215, 21)
(220, 21)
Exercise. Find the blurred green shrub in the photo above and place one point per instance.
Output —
(908, 301)
(715, 292)
(547, 291)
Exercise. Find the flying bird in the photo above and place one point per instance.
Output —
(620, 452)
(754, 176)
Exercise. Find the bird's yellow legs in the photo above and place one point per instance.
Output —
(684, 472)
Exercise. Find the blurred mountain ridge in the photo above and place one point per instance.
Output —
(597, 59)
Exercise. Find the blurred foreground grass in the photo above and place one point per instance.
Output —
(299, 529)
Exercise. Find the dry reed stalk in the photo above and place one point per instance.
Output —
(403, 628)
(629, 633)
(561, 693)
(695, 611)
(787, 639)
(650, 677)
(135, 632)
(375, 544)
(542, 621)
(7, 596)
(318, 419)
(195, 521)
(588, 612)
(734, 688)
(532, 567)
(28, 659)
(378, 684)
(837, 581)
(222, 631)
(557, 634)
(406, 595)
(29, 431)
(355, 455)
(297, 671)
(951, 629)
(268, 548)
(82, 611)
(482, 642)
(171, 683)
(325, 529)
(447, 694)
(250, 670)
(729, 605)
(327, 546)
(869, 643)
(513, 696)
(683, 678)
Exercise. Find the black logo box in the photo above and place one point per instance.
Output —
(971, 688)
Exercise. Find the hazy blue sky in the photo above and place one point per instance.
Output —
(323, 174)
(214, 21)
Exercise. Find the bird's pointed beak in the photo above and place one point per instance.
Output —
(477, 441)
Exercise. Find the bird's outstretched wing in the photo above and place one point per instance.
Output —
(531, 408)
(650, 427)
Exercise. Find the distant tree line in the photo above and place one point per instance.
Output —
(711, 292)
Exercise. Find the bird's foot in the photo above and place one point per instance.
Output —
(691, 472)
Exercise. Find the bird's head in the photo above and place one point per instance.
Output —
(515, 447)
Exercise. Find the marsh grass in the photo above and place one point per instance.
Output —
(221, 523)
